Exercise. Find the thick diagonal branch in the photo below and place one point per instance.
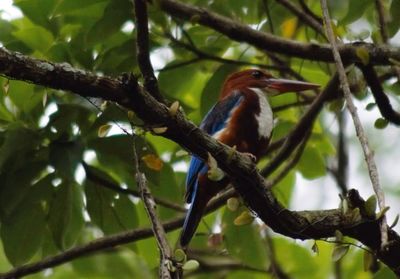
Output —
(245, 178)
(267, 42)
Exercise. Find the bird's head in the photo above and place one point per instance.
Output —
(255, 78)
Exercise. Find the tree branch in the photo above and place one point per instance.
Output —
(241, 170)
(381, 99)
(143, 53)
(267, 42)
(368, 154)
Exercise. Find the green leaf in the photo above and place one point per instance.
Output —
(26, 96)
(356, 9)
(363, 54)
(381, 123)
(22, 233)
(183, 83)
(16, 145)
(110, 211)
(213, 87)
(38, 11)
(394, 24)
(66, 214)
(37, 38)
(65, 156)
(115, 154)
(68, 6)
(385, 273)
(368, 260)
(191, 265)
(284, 189)
(370, 106)
(237, 241)
(311, 164)
(370, 206)
(115, 14)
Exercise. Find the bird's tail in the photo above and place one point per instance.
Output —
(192, 221)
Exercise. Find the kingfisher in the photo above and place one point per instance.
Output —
(242, 118)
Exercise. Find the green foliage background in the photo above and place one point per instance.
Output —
(46, 204)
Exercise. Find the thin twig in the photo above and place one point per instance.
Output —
(143, 53)
(158, 229)
(108, 184)
(368, 154)
(201, 55)
(291, 164)
(307, 10)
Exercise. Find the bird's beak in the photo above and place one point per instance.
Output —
(287, 85)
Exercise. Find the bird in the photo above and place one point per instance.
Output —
(242, 118)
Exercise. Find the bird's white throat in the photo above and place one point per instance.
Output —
(265, 118)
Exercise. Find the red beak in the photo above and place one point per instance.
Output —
(287, 85)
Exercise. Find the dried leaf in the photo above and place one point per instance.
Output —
(215, 240)
(315, 248)
(131, 115)
(289, 27)
(153, 162)
(243, 219)
(103, 130)
(214, 173)
(338, 235)
(159, 130)
(173, 109)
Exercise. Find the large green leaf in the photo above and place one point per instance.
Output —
(115, 14)
(66, 214)
(213, 87)
(65, 157)
(26, 97)
(37, 38)
(22, 232)
(38, 11)
(68, 6)
(115, 155)
(237, 240)
(311, 164)
(112, 212)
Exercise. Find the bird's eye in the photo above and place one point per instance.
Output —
(256, 74)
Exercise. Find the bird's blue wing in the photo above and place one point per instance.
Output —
(214, 121)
